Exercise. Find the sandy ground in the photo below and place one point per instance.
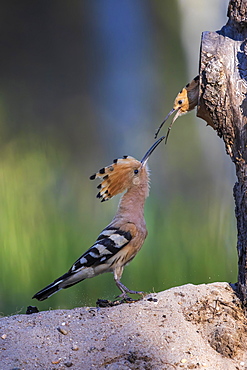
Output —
(187, 327)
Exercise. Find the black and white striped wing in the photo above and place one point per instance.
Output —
(109, 243)
(93, 261)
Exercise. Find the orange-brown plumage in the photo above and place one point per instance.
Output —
(117, 177)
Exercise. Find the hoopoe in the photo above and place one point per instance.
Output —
(120, 241)
(186, 100)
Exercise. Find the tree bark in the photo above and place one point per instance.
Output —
(223, 105)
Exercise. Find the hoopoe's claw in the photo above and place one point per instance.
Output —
(125, 291)
(125, 295)
(126, 298)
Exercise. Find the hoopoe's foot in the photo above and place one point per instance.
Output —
(125, 296)
(125, 291)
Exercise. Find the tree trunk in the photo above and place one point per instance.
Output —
(223, 105)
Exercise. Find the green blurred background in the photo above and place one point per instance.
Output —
(84, 82)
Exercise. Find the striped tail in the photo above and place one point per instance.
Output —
(58, 284)
(47, 291)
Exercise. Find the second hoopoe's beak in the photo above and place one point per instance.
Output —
(178, 112)
(169, 128)
(150, 150)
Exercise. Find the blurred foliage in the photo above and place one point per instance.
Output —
(83, 82)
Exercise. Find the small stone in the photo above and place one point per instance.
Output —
(4, 336)
(62, 331)
(183, 360)
(55, 362)
(68, 364)
(74, 347)
(91, 349)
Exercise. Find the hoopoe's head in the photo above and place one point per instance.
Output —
(185, 101)
(123, 174)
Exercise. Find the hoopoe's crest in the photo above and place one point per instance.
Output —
(123, 173)
(117, 177)
(185, 101)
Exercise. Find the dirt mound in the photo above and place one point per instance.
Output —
(187, 327)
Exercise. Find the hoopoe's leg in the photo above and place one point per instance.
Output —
(126, 290)
(117, 276)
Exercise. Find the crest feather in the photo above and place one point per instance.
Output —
(114, 177)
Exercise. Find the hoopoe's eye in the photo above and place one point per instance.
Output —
(136, 172)
(180, 102)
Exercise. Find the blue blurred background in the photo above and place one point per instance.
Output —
(84, 82)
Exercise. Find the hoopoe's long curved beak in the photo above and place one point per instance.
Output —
(170, 126)
(159, 128)
(150, 150)
(178, 112)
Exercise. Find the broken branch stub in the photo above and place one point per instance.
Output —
(223, 105)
